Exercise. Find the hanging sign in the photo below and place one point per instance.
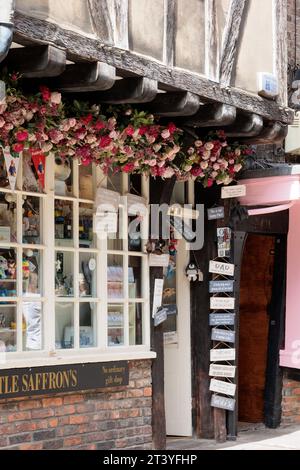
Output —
(216, 287)
(217, 401)
(222, 303)
(157, 295)
(233, 191)
(160, 316)
(224, 336)
(215, 213)
(217, 355)
(220, 386)
(216, 319)
(12, 165)
(39, 161)
(218, 370)
(107, 200)
(159, 260)
(224, 239)
(182, 228)
(226, 269)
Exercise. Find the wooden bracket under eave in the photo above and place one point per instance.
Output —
(86, 77)
(129, 90)
(246, 125)
(213, 115)
(175, 104)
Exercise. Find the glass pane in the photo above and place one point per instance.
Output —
(86, 235)
(63, 223)
(32, 182)
(135, 277)
(8, 327)
(115, 240)
(87, 319)
(134, 233)
(4, 183)
(32, 269)
(31, 219)
(115, 276)
(115, 325)
(8, 273)
(114, 182)
(135, 324)
(8, 217)
(64, 325)
(63, 174)
(32, 326)
(64, 274)
(86, 182)
(87, 275)
(169, 300)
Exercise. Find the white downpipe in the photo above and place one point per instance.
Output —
(7, 10)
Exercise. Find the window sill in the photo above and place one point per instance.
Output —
(60, 359)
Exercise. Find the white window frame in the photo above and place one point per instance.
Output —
(102, 352)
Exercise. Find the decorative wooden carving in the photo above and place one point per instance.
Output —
(230, 39)
(37, 61)
(175, 104)
(130, 90)
(211, 115)
(246, 125)
(95, 76)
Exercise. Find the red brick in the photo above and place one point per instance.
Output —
(79, 419)
(52, 423)
(65, 410)
(31, 446)
(25, 426)
(70, 399)
(21, 416)
(72, 441)
(43, 413)
(30, 404)
(148, 392)
(52, 402)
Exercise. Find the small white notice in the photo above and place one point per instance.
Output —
(217, 370)
(220, 386)
(226, 269)
(233, 191)
(222, 303)
(159, 260)
(157, 295)
(218, 355)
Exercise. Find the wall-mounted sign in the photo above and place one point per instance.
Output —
(222, 303)
(157, 295)
(218, 370)
(160, 316)
(233, 191)
(107, 200)
(220, 386)
(226, 269)
(224, 242)
(216, 319)
(170, 337)
(216, 287)
(217, 355)
(217, 401)
(224, 336)
(159, 260)
(183, 228)
(62, 378)
(215, 213)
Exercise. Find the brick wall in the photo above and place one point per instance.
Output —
(115, 418)
(290, 400)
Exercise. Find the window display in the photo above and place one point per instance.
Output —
(8, 217)
(86, 235)
(63, 223)
(64, 325)
(64, 274)
(8, 272)
(135, 324)
(31, 219)
(87, 324)
(8, 327)
(87, 275)
(31, 268)
(134, 276)
(115, 276)
(115, 325)
(32, 326)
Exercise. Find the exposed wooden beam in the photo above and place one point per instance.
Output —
(211, 41)
(94, 76)
(175, 104)
(129, 90)
(231, 37)
(110, 21)
(86, 48)
(211, 115)
(280, 49)
(37, 61)
(169, 32)
(273, 133)
(246, 125)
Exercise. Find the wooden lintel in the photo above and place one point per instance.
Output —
(246, 125)
(211, 115)
(273, 133)
(86, 48)
(175, 104)
(95, 76)
(37, 61)
(129, 90)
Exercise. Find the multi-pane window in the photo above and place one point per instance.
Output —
(64, 289)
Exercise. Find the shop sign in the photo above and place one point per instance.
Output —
(216, 287)
(159, 260)
(233, 191)
(215, 213)
(222, 303)
(217, 370)
(225, 336)
(217, 355)
(217, 401)
(221, 386)
(226, 269)
(216, 319)
(63, 378)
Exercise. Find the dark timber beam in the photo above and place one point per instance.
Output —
(273, 133)
(211, 115)
(37, 61)
(246, 125)
(85, 48)
(231, 37)
(175, 104)
(130, 90)
(94, 76)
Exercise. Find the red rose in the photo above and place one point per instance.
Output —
(171, 127)
(129, 130)
(87, 119)
(210, 182)
(99, 125)
(18, 148)
(46, 93)
(143, 130)
(104, 141)
(21, 136)
(196, 171)
(128, 167)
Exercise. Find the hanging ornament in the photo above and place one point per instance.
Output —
(12, 165)
(39, 160)
(193, 273)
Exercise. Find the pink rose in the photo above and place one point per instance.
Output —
(18, 148)
(165, 134)
(55, 97)
(204, 165)
(169, 172)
